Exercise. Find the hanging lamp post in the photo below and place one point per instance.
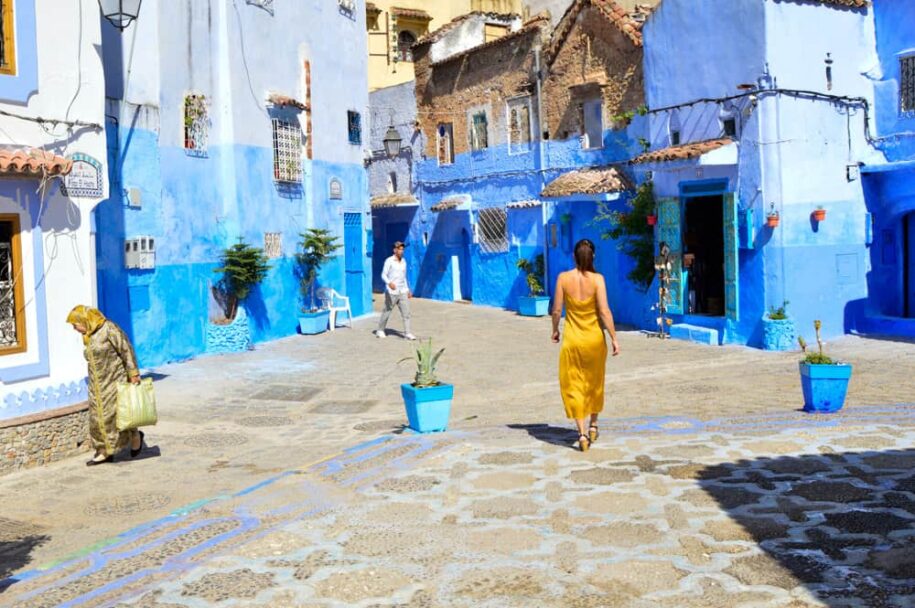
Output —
(120, 13)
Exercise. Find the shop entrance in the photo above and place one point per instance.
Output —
(704, 255)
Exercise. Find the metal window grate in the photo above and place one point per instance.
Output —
(273, 244)
(907, 84)
(354, 123)
(287, 151)
(196, 125)
(493, 230)
(8, 327)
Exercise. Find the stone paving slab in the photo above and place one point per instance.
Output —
(506, 517)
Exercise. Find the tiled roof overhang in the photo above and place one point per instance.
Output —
(33, 162)
(682, 151)
(597, 180)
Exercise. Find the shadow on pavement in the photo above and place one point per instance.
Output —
(841, 525)
(556, 435)
(14, 554)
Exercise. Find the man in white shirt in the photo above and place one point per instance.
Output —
(396, 291)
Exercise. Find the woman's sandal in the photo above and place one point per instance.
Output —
(584, 443)
(93, 462)
(136, 452)
(593, 433)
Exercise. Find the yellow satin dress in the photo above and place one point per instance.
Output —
(582, 359)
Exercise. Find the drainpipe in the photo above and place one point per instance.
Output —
(540, 173)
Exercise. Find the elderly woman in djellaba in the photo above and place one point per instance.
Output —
(111, 361)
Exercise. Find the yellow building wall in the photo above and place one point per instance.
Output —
(388, 64)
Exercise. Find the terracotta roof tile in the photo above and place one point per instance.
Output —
(33, 161)
(278, 99)
(523, 204)
(597, 180)
(848, 3)
(411, 13)
(393, 200)
(451, 202)
(682, 152)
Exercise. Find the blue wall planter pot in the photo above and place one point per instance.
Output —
(311, 323)
(233, 337)
(778, 334)
(533, 306)
(824, 386)
(428, 409)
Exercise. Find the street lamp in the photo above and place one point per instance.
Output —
(120, 13)
(392, 142)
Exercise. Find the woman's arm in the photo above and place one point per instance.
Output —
(606, 317)
(558, 298)
(118, 340)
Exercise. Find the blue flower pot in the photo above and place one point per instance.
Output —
(824, 386)
(778, 334)
(534, 306)
(311, 323)
(428, 409)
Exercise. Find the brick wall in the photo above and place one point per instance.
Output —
(596, 58)
(40, 439)
(486, 76)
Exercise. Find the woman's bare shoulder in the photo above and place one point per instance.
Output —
(598, 277)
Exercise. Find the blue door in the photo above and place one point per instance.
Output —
(353, 261)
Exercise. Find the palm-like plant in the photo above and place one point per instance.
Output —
(317, 245)
(425, 364)
(243, 267)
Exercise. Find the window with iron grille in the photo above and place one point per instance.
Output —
(12, 313)
(519, 125)
(907, 84)
(287, 151)
(479, 131)
(273, 244)
(405, 42)
(7, 38)
(354, 123)
(492, 225)
(196, 125)
(445, 143)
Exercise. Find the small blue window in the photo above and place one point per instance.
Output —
(354, 120)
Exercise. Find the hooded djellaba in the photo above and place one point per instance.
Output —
(111, 361)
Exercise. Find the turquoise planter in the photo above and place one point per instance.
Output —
(824, 386)
(778, 334)
(428, 409)
(534, 306)
(311, 323)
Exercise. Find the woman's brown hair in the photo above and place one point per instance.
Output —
(584, 256)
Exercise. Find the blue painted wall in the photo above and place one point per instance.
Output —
(197, 205)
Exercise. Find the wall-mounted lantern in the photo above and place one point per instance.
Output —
(392, 142)
(120, 13)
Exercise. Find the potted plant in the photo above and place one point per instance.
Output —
(824, 381)
(242, 268)
(819, 214)
(427, 401)
(772, 217)
(317, 245)
(778, 328)
(535, 304)
(651, 219)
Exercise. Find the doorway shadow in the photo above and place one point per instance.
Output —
(841, 525)
(556, 435)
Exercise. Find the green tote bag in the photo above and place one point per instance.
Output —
(136, 405)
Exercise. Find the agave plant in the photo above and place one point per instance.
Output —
(425, 364)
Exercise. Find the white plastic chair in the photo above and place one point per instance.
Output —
(334, 302)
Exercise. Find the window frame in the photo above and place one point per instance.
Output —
(202, 123)
(354, 127)
(449, 127)
(18, 291)
(405, 54)
(584, 123)
(907, 84)
(287, 126)
(472, 134)
(519, 147)
(8, 16)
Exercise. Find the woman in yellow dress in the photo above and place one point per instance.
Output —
(583, 355)
(111, 360)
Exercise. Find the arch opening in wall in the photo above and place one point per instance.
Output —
(729, 120)
(405, 41)
(673, 128)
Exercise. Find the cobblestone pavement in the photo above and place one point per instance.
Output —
(280, 478)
